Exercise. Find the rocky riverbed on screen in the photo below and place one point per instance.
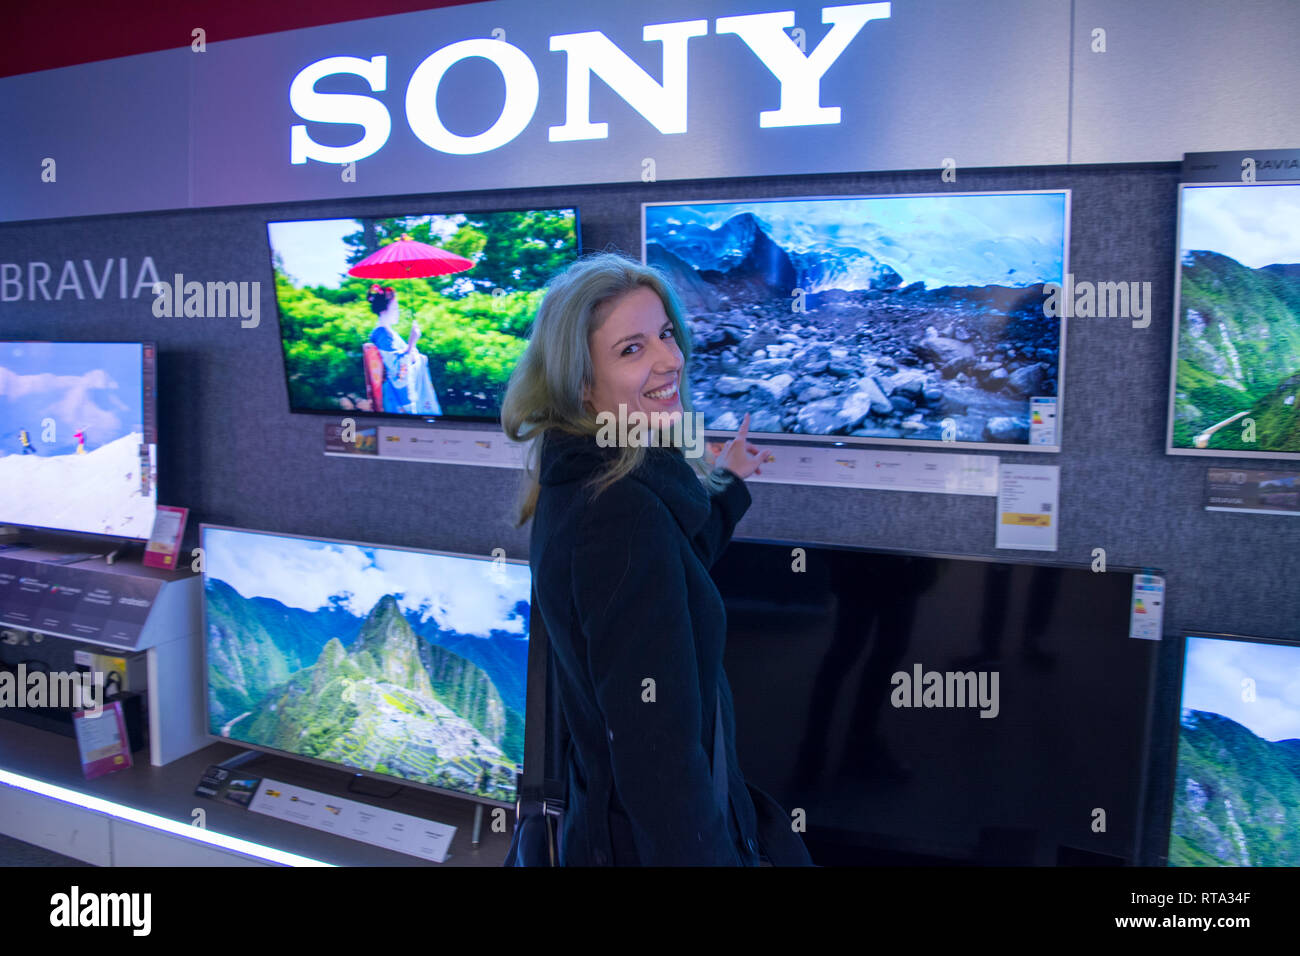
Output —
(878, 363)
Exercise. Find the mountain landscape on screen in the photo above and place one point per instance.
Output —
(1237, 796)
(849, 317)
(390, 692)
(1238, 355)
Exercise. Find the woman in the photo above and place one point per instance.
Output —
(408, 385)
(621, 545)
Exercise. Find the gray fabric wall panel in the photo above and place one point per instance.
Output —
(232, 452)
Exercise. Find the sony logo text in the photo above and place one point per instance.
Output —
(590, 53)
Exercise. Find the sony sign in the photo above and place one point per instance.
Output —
(663, 105)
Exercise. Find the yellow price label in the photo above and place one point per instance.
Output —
(1032, 521)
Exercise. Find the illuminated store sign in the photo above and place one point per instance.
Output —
(662, 104)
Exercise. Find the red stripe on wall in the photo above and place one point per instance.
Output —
(44, 36)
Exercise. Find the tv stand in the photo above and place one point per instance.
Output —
(239, 759)
(51, 588)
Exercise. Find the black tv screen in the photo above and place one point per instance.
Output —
(466, 285)
(78, 437)
(822, 660)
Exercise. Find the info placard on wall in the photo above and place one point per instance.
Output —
(1028, 497)
(1252, 491)
(852, 467)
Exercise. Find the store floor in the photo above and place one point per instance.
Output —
(17, 853)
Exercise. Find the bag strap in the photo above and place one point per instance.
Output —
(719, 762)
(535, 705)
(546, 737)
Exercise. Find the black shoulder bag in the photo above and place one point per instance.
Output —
(539, 805)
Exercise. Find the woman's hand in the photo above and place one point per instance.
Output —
(739, 456)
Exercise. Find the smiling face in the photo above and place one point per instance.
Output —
(634, 356)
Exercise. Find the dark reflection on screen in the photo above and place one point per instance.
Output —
(1043, 651)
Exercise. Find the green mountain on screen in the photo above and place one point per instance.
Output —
(1236, 798)
(1238, 352)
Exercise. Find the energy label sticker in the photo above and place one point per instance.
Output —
(1148, 611)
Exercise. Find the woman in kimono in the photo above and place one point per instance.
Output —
(408, 384)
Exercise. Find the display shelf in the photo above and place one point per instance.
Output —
(124, 606)
(144, 815)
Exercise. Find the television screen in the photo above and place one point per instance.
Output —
(1235, 382)
(466, 288)
(398, 663)
(1236, 795)
(937, 710)
(78, 437)
(893, 319)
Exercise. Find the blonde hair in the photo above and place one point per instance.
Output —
(545, 392)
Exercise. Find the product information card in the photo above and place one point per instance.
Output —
(1027, 507)
(845, 466)
(357, 821)
(1251, 491)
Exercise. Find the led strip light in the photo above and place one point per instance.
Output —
(155, 822)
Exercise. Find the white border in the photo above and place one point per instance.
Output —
(153, 821)
(333, 765)
(1173, 355)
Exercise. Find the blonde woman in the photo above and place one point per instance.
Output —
(621, 545)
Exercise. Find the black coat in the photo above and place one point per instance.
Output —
(624, 590)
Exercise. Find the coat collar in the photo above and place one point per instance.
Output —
(665, 471)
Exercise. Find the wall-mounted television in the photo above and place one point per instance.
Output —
(467, 286)
(78, 437)
(1235, 375)
(907, 320)
(1236, 792)
(392, 662)
(931, 709)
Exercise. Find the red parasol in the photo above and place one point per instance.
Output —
(405, 258)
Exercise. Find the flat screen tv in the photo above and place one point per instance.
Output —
(467, 287)
(907, 320)
(1037, 718)
(1236, 793)
(391, 662)
(78, 437)
(1235, 376)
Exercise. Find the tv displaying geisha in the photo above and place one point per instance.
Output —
(422, 315)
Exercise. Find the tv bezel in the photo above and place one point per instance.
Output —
(1174, 723)
(146, 399)
(912, 846)
(838, 440)
(1170, 449)
(333, 765)
(391, 417)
